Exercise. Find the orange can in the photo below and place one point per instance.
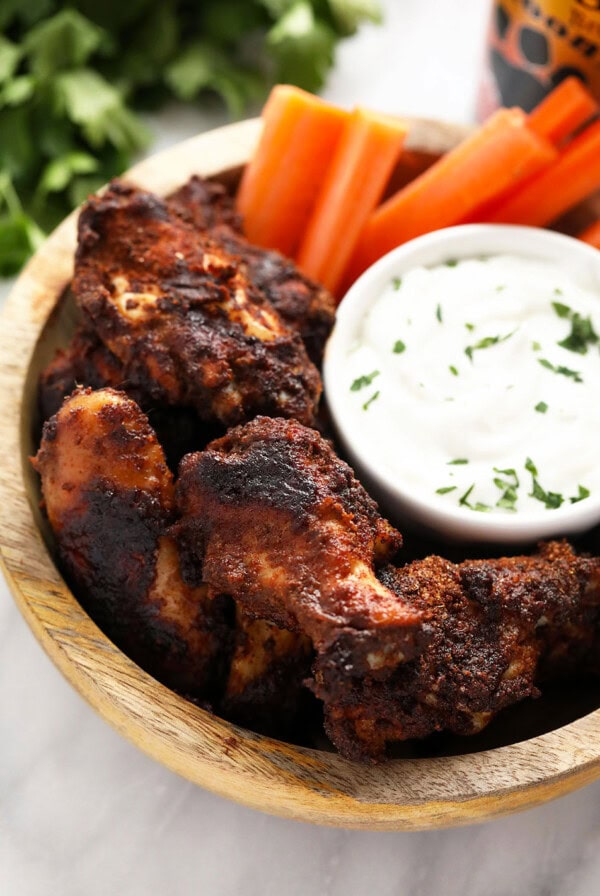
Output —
(533, 45)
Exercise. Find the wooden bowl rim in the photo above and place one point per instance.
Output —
(295, 782)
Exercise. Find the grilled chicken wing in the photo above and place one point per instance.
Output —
(265, 687)
(273, 517)
(494, 624)
(109, 498)
(303, 304)
(185, 323)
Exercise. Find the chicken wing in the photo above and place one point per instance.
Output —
(110, 500)
(265, 688)
(494, 624)
(271, 516)
(86, 362)
(303, 304)
(185, 323)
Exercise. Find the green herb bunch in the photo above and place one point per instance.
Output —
(74, 75)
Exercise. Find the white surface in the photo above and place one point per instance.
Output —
(410, 433)
(82, 811)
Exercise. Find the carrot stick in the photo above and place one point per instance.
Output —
(354, 183)
(563, 111)
(280, 184)
(570, 179)
(487, 164)
(591, 234)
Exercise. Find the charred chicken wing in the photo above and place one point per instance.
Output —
(492, 624)
(271, 516)
(303, 304)
(109, 498)
(182, 317)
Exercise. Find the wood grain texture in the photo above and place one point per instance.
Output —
(300, 783)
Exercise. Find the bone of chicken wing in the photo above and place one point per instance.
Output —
(303, 304)
(493, 625)
(109, 497)
(182, 318)
(271, 516)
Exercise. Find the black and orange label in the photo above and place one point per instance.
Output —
(533, 45)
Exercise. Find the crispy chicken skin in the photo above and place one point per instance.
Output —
(493, 624)
(109, 497)
(86, 362)
(303, 304)
(271, 516)
(265, 688)
(181, 316)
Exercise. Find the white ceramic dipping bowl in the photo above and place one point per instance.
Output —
(430, 515)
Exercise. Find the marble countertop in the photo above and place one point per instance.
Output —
(83, 811)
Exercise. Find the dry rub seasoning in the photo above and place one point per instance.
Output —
(535, 44)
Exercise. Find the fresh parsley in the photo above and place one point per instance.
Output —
(453, 370)
(487, 342)
(399, 347)
(478, 506)
(370, 401)
(445, 489)
(575, 375)
(583, 492)
(438, 314)
(508, 486)
(362, 381)
(397, 282)
(458, 461)
(541, 407)
(551, 500)
(75, 76)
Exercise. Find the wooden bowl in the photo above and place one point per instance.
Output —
(301, 783)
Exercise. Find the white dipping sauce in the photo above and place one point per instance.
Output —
(462, 362)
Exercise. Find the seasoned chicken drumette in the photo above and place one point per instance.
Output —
(303, 304)
(496, 627)
(273, 517)
(109, 497)
(181, 316)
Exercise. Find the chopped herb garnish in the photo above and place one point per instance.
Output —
(552, 500)
(397, 282)
(501, 287)
(399, 347)
(445, 489)
(536, 346)
(583, 493)
(508, 498)
(486, 342)
(582, 334)
(451, 262)
(459, 460)
(541, 407)
(470, 327)
(561, 309)
(370, 401)
(363, 381)
(453, 370)
(560, 368)
(557, 291)
(464, 502)
(531, 467)
(438, 313)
